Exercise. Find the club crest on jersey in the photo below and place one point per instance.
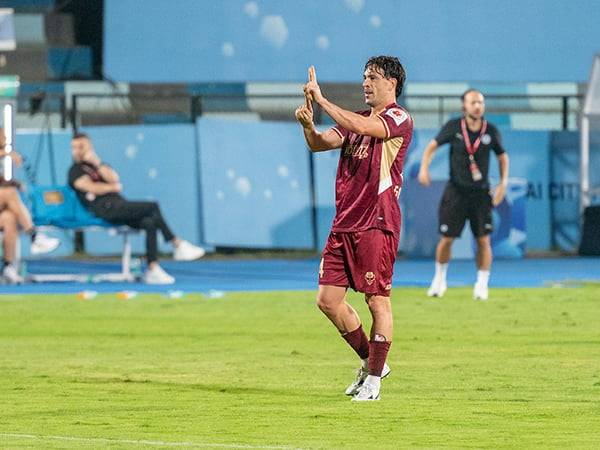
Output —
(369, 278)
(397, 114)
(486, 139)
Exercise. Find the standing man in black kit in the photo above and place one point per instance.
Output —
(467, 195)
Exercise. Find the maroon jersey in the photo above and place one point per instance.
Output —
(369, 175)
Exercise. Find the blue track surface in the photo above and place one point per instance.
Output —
(300, 274)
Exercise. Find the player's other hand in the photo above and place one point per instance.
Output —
(117, 187)
(304, 115)
(424, 177)
(499, 194)
(312, 90)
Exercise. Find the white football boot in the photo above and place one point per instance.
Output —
(368, 392)
(361, 376)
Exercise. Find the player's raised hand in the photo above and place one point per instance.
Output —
(304, 115)
(308, 97)
(312, 89)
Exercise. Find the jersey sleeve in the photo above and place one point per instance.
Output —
(497, 145)
(396, 121)
(341, 131)
(446, 133)
(75, 172)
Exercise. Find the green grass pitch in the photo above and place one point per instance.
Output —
(267, 370)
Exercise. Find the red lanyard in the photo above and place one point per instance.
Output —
(472, 148)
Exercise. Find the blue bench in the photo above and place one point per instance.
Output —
(57, 207)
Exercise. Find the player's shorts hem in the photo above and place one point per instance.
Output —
(334, 284)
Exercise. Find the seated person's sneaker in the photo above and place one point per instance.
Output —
(156, 275)
(43, 244)
(10, 274)
(188, 252)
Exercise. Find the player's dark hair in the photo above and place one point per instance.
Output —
(391, 68)
(468, 91)
(80, 136)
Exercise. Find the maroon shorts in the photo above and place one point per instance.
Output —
(363, 260)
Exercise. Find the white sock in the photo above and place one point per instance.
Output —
(365, 363)
(373, 381)
(440, 270)
(483, 276)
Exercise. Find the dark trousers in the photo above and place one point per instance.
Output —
(142, 216)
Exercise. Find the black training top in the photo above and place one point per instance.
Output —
(460, 174)
(95, 203)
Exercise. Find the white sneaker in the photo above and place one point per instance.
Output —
(10, 274)
(438, 288)
(366, 393)
(43, 244)
(188, 252)
(361, 376)
(480, 292)
(157, 275)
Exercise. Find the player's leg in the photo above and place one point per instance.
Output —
(331, 300)
(374, 265)
(10, 231)
(451, 217)
(480, 219)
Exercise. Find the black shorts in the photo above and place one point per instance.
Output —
(458, 205)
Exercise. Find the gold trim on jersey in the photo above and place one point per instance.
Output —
(389, 151)
(387, 129)
(338, 132)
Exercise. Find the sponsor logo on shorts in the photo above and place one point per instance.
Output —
(388, 287)
(443, 228)
(486, 139)
(369, 278)
(321, 271)
(488, 226)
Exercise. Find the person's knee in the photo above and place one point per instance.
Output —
(148, 224)
(8, 222)
(328, 304)
(379, 305)
(483, 241)
(446, 241)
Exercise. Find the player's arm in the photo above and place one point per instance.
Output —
(108, 173)
(500, 191)
(317, 141)
(86, 184)
(366, 126)
(424, 176)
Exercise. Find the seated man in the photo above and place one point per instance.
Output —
(99, 189)
(13, 213)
